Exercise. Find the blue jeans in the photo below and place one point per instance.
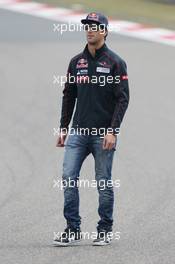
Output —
(77, 148)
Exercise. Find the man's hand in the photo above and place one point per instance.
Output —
(61, 139)
(109, 141)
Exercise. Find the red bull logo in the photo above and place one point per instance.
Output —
(93, 16)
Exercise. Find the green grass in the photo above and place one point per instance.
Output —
(144, 11)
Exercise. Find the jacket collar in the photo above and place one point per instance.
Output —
(98, 51)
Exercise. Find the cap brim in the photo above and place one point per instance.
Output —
(88, 21)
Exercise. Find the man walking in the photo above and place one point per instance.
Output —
(97, 83)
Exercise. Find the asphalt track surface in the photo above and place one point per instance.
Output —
(30, 208)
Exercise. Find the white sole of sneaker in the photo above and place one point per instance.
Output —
(101, 243)
(62, 244)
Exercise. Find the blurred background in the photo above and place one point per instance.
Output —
(152, 12)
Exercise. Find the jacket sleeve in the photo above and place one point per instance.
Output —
(68, 99)
(121, 93)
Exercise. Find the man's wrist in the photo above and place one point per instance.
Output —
(113, 131)
(63, 130)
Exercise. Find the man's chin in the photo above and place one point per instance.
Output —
(91, 42)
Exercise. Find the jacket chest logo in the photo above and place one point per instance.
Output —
(82, 63)
(82, 71)
(103, 69)
(104, 64)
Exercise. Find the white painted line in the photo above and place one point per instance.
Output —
(25, 6)
(6, 2)
(126, 28)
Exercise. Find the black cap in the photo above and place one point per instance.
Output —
(95, 18)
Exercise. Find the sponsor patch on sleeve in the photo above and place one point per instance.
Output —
(124, 77)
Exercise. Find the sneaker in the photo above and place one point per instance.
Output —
(103, 238)
(68, 237)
